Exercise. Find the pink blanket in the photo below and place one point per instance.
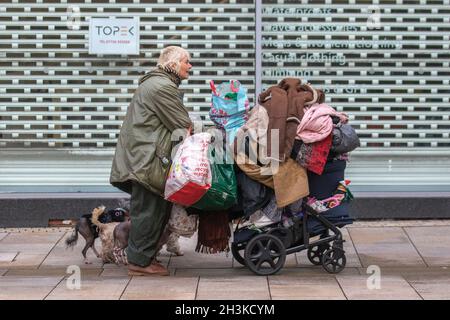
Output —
(316, 123)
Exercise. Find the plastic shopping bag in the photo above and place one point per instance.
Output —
(190, 174)
(223, 192)
(229, 106)
(345, 139)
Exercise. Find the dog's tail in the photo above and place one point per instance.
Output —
(72, 240)
(96, 213)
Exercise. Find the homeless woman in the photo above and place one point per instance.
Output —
(143, 155)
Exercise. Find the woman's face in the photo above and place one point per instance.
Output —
(185, 67)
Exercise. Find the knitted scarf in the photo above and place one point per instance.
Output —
(174, 75)
(213, 232)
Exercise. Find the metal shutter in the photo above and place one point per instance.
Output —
(393, 80)
(53, 94)
(61, 109)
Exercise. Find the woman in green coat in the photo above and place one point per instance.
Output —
(156, 119)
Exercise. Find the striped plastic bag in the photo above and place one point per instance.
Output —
(229, 106)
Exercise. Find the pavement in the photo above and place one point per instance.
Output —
(402, 260)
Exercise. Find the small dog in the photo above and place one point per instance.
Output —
(114, 236)
(107, 237)
(90, 231)
(120, 235)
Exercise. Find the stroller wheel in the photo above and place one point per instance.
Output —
(265, 254)
(333, 260)
(236, 249)
(315, 253)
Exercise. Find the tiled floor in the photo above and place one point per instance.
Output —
(387, 246)
(384, 261)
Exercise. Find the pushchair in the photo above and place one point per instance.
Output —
(263, 250)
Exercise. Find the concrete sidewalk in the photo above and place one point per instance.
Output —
(413, 258)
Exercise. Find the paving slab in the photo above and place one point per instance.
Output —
(410, 271)
(36, 229)
(397, 249)
(119, 271)
(161, 288)
(431, 287)
(233, 288)
(433, 243)
(291, 260)
(314, 271)
(26, 288)
(305, 288)
(50, 272)
(59, 258)
(201, 260)
(7, 257)
(91, 288)
(192, 259)
(30, 242)
(399, 223)
(391, 288)
(25, 260)
(60, 255)
(384, 246)
(212, 272)
(350, 252)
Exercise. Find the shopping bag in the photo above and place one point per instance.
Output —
(223, 192)
(190, 174)
(345, 139)
(229, 106)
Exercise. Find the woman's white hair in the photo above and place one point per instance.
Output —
(170, 58)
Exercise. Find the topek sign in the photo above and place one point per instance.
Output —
(114, 36)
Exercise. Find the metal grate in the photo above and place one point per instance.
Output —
(53, 94)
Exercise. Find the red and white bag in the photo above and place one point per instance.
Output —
(190, 174)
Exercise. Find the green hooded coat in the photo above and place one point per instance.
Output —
(144, 146)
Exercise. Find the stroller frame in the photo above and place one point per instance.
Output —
(276, 241)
